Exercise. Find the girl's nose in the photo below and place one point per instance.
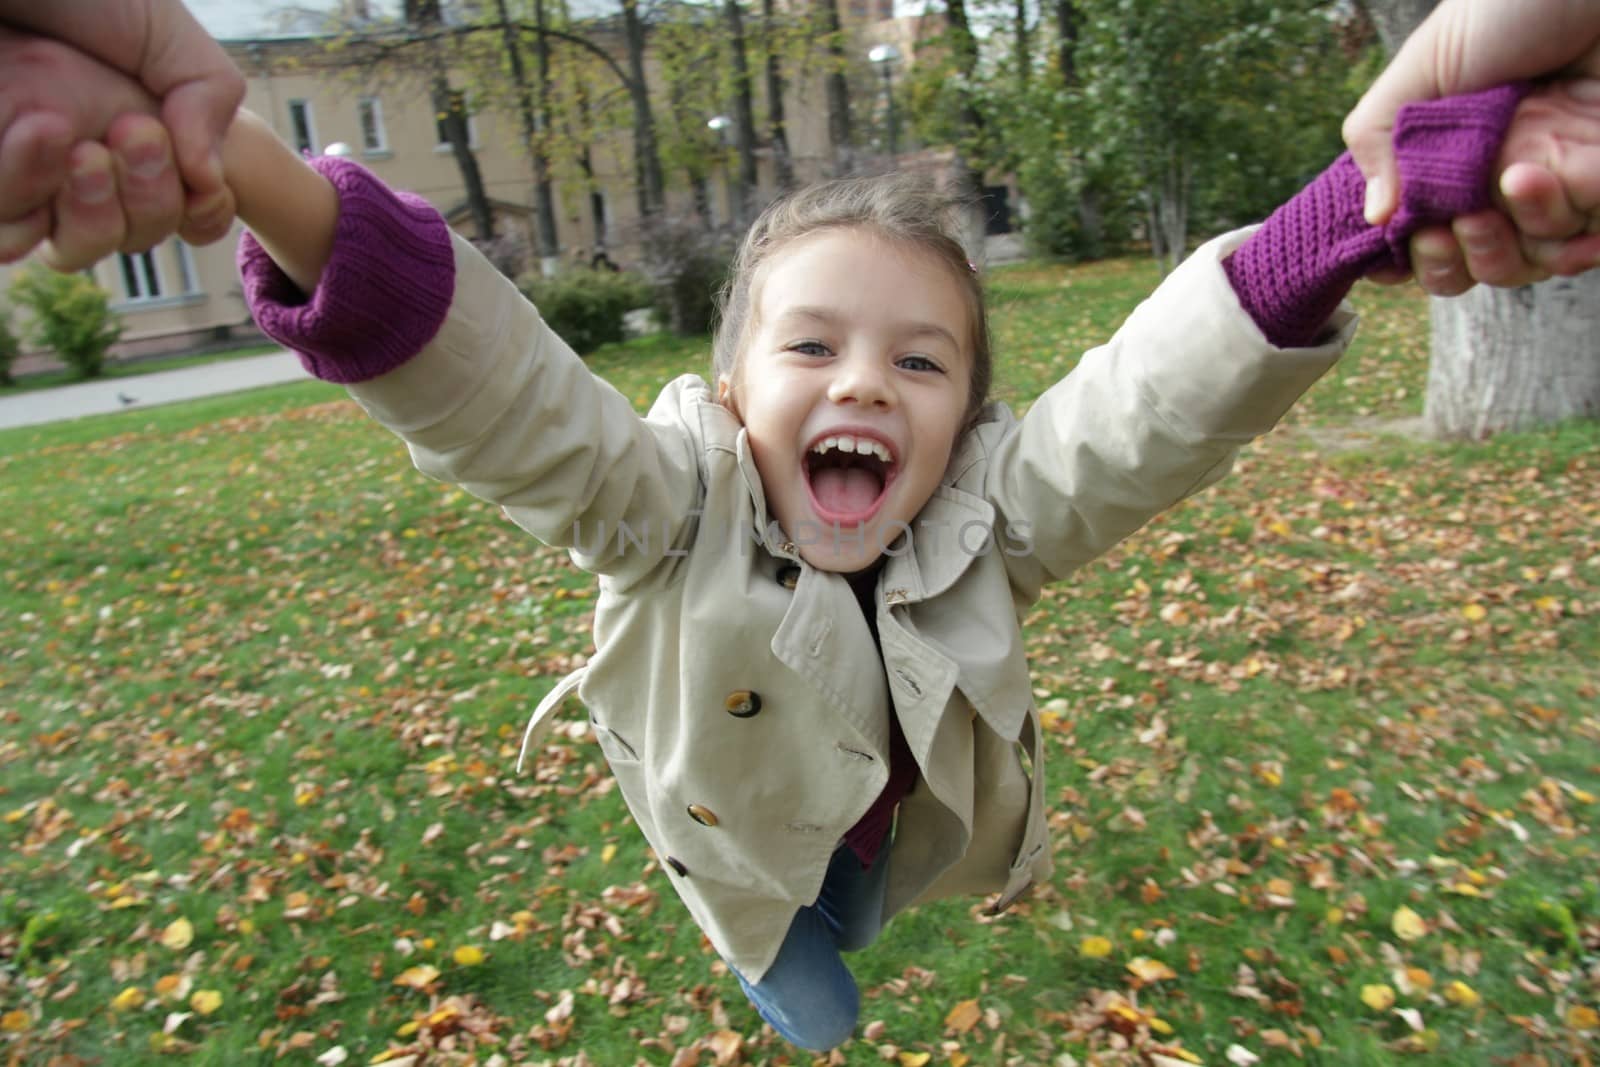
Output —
(860, 380)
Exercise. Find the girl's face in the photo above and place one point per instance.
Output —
(853, 387)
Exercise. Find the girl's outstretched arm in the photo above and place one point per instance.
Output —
(292, 210)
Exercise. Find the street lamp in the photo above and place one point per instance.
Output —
(884, 57)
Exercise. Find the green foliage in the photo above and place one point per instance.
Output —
(585, 307)
(10, 346)
(687, 263)
(72, 317)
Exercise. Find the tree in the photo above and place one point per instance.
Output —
(840, 134)
(70, 315)
(778, 134)
(1189, 94)
(1506, 359)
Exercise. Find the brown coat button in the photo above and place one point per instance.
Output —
(789, 576)
(677, 867)
(742, 703)
(702, 815)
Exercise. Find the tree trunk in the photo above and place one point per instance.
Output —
(1067, 41)
(529, 111)
(1395, 19)
(1511, 359)
(744, 118)
(451, 104)
(1022, 47)
(646, 156)
(1505, 359)
(839, 132)
(782, 164)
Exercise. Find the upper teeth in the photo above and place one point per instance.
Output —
(863, 446)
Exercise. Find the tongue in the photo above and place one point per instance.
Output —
(846, 490)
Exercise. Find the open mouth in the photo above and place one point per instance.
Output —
(847, 476)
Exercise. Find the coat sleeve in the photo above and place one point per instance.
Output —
(500, 405)
(1153, 416)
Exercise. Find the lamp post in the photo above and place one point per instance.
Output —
(884, 57)
(720, 125)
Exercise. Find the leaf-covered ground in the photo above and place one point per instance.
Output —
(1325, 752)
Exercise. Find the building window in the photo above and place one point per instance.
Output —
(374, 139)
(302, 127)
(140, 278)
(457, 99)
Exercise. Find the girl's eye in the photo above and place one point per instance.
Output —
(919, 363)
(809, 348)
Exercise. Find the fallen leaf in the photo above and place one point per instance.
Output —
(1459, 992)
(418, 977)
(179, 935)
(205, 1001)
(1583, 1017)
(1241, 1056)
(1407, 924)
(1377, 997)
(1094, 948)
(468, 956)
(1148, 970)
(963, 1017)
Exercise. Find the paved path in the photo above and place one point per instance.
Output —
(148, 390)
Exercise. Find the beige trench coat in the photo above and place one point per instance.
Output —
(737, 693)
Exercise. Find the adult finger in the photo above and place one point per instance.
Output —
(33, 159)
(151, 192)
(1566, 258)
(89, 223)
(1438, 262)
(1492, 251)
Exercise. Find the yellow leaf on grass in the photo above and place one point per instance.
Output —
(1095, 948)
(1474, 612)
(418, 977)
(1148, 970)
(1459, 992)
(128, 1000)
(1583, 1017)
(205, 1001)
(1407, 924)
(14, 1022)
(468, 956)
(179, 935)
(1377, 997)
(608, 853)
(963, 1017)
(914, 1059)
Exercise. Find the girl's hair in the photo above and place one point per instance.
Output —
(906, 208)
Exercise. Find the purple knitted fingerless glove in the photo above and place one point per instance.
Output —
(1291, 274)
(381, 298)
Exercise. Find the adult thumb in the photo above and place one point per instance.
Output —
(1369, 134)
(197, 115)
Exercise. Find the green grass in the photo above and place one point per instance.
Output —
(132, 368)
(262, 686)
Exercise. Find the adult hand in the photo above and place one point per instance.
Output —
(52, 98)
(1462, 47)
(158, 44)
(1549, 184)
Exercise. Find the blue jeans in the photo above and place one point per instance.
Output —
(808, 995)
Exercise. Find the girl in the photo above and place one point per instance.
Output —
(809, 678)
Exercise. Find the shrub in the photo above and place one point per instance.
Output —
(686, 262)
(586, 306)
(72, 317)
(10, 346)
